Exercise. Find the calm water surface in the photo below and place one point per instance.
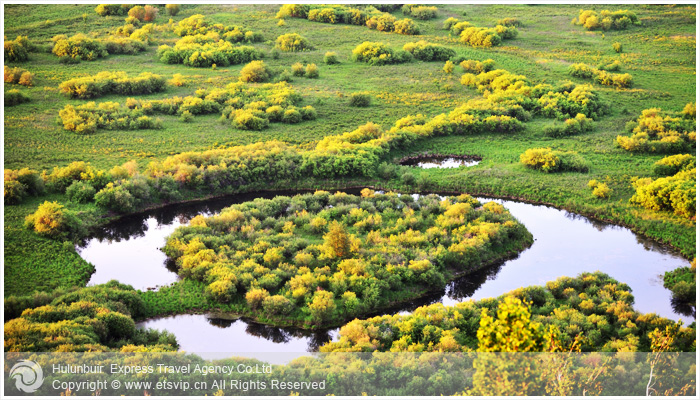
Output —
(441, 162)
(566, 244)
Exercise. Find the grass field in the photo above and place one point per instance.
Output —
(659, 54)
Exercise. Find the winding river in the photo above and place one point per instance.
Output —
(566, 244)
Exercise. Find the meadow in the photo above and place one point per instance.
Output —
(544, 131)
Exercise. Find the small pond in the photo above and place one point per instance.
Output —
(438, 161)
(566, 244)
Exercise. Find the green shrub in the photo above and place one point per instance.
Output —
(255, 71)
(172, 9)
(420, 12)
(658, 131)
(477, 67)
(292, 116)
(78, 45)
(360, 100)
(277, 305)
(672, 165)
(14, 97)
(112, 9)
(17, 50)
(186, 116)
(449, 23)
(53, 220)
(87, 118)
(509, 22)
(331, 58)
(425, 51)
(406, 26)
(480, 37)
(204, 55)
(606, 20)
(298, 69)
(311, 71)
(408, 179)
(113, 82)
(80, 192)
(308, 113)
(448, 67)
(375, 53)
(292, 42)
(19, 184)
(546, 160)
(617, 47)
(673, 193)
(248, 120)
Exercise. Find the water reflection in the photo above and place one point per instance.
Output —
(214, 333)
(566, 244)
(435, 161)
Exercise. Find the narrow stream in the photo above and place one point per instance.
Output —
(566, 244)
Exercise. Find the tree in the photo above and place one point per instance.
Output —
(337, 241)
(322, 305)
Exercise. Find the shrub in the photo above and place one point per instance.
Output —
(112, 82)
(150, 13)
(406, 26)
(658, 131)
(509, 22)
(322, 305)
(449, 23)
(19, 76)
(298, 69)
(248, 120)
(256, 297)
(408, 179)
(308, 113)
(449, 67)
(14, 97)
(689, 111)
(19, 184)
(255, 71)
(80, 192)
(204, 55)
(138, 12)
(186, 116)
(311, 71)
(425, 51)
(546, 160)
(360, 100)
(420, 12)
(330, 58)
(673, 193)
(606, 20)
(69, 60)
(17, 50)
(78, 45)
(672, 165)
(291, 116)
(617, 47)
(378, 54)
(277, 305)
(382, 23)
(293, 10)
(292, 42)
(112, 9)
(480, 37)
(600, 190)
(477, 67)
(172, 9)
(178, 80)
(87, 118)
(53, 220)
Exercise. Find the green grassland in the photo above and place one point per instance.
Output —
(660, 55)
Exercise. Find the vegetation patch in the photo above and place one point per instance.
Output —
(602, 76)
(592, 312)
(548, 160)
(113, 83)
(375, 53)
(673, 193)
(479, 36)
(657, 131)
(323, 257)
(606, 20)
(365, 15)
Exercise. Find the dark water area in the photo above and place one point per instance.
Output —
(440, 161)
(566, 244)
